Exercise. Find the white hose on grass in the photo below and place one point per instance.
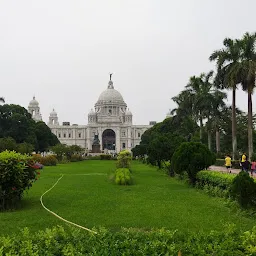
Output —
(56, 215)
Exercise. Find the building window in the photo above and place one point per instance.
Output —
(123, 134)
(59, 135)
(69, 135)
(123, 145)
(64, 135)
(79, 135)
(139, 134)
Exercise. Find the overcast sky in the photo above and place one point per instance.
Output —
(62, 51)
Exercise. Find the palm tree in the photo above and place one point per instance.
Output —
(200, 89)
(247, 76)
(228, 64)
(2, 99)
(217, 108)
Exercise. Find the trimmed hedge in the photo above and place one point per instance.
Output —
(123, 176)
(71, 241)
(221, 180)
(105, 157)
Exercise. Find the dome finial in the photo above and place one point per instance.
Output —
(110, 83)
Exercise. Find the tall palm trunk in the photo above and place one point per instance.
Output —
(250, 125)
(217, 139)
(234, 140)
(201, 128)
(209, 139)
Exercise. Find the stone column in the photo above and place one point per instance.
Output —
(100, 136)
(118, 146)
(129, 138)
(88, 138)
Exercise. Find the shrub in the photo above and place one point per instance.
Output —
(71, 241)
(105, 157)
(217, 179)
(37, 158)
(90, 157)
(49, 160)
(76, 158)
(17, 173)
(243, 189)
(191, 157)
(123, 176)
(124, 159)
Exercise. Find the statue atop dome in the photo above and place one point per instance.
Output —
(110, 75)
(110, 83)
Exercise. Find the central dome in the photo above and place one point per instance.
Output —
(110, 95)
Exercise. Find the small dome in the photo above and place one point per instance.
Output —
(128, 113)
(53, 113)
(92, 113)
(33, 102)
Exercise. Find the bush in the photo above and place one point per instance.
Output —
(49, 160)
(235, 163)
(124, 159)
(37, 158)
(71, 241)
(17, 173)
(105, 157)
(217, 179)
(191, 157)
(76, 158)
(90, 157)
(243, 189)
(123, 176)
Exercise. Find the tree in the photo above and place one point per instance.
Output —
(2, 99)
(227, 60)
(160, 141)
(247, 76)
(191, 157)
(200, 93)
(17, 123)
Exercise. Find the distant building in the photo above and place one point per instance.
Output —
(110, 119)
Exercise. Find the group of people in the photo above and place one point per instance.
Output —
(245, 164)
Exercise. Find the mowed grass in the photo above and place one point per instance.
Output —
(86, 196)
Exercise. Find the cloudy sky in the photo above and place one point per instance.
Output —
(62, 51)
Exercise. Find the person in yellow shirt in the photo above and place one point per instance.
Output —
(243, 160)
(228, 163)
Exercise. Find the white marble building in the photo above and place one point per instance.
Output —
(111, 120)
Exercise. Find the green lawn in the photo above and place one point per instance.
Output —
(155, 200)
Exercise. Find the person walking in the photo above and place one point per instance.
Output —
(246, 166)
(253, 166)
(243, 159)
(228, 163)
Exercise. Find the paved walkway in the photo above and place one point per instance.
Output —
(223, 169)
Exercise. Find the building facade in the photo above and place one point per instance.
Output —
(110, 119)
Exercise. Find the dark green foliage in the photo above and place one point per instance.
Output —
(16, 175)
(49, 160)
(160, 141)
(71, 241)
(62, 150)
(105, 157)
(243, 189)
(191, 157)
(17, 123)
(123, 176)
(76, 158)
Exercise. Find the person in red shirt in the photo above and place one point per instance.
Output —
(253, 166)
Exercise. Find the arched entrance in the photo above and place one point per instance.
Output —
(109, 140)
